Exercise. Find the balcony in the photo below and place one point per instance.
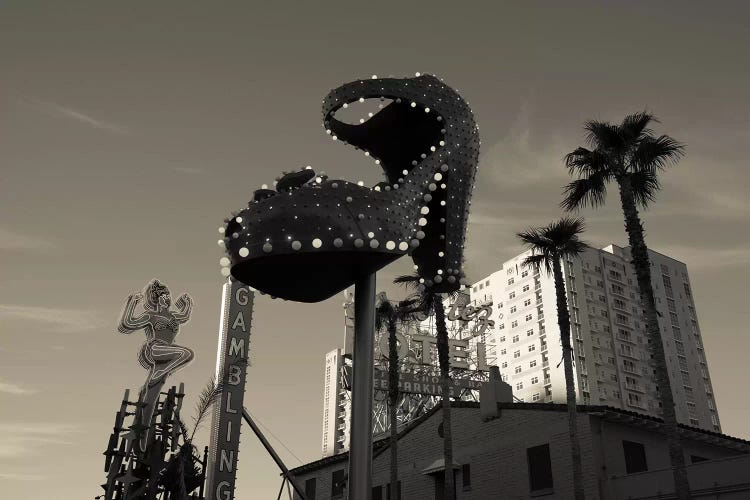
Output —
(616, 279)
(637, 404)
(624, 338)
(631, 354)
(634, 387)
(621, 308)
(630, 370)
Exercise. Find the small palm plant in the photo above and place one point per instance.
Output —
(182, 474)
(390, 316)
(629, 155)
(429, 302)
(549, 245)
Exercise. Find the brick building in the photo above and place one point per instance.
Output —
(520, 450)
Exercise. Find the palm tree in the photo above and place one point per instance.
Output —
(549, 245)
(389, 317)
(182, 474)
(630, 155)
(430, 302)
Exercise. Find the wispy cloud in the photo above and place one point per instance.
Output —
(522, 159)
(13, 476)
(57, 320)
(9, 388)
(190, 170)
(77, 115)
(23, 439)
(708, 258)
(11, 240)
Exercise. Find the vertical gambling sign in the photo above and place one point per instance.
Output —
(231, 370)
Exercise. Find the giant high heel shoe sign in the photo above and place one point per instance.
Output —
(312, 236)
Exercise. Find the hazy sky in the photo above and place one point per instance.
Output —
(129, 130)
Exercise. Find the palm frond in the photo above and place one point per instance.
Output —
(584, 162)
(208, 396)
(385, 314)
(536, 261)
(634, 127)
(549, 243)
(590, 191)
(603, 135)
(573, 248)
(564, 230)
(407, 309)
(533, 237)
(183, 429)
(656, 153)
(409, 281)
(645, 185)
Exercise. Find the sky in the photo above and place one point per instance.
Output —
(130, 130)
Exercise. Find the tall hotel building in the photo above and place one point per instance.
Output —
(335, 406)
(612, 361)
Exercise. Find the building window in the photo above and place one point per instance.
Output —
(377, 493)
(503, 352)
(518, 369)
(534, 380)
(513, 309)
(504, 365)
(535, 397)
(502, 339)
(517, 354)
(527, 302)
(526, 288)
(519, 386)
(510, 281)
(337, 484)
(528, 317)
(515, 338)
(540, 468)
(635, 457)
(524, 274)
(532, 363)
(310, 488)
(532, 347)
(466, 477)
(529, 333)
(514, 324)
(388, 490)
(512, 295)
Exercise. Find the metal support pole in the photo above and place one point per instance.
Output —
(360, 441)
(287, 475)
(281, 490)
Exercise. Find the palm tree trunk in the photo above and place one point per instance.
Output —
(563, 321)
(445, 382)
(393, 376)
(642, 265)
